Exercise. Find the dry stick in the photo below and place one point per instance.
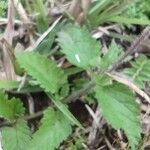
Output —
(34, 116)
(96, 127)
(133, 48)
(24, 17)
(21, 11)
(4, 21)
(131, 85)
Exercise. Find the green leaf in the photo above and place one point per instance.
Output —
(17, 137)
(54, 129)
(102, 80)
(41, 19)
(44, 47)
(111, 56)
(120, 110)
(78, 45)
(8, 84)
(129, 21)
(139, 71)
(45, 71)
(10, 109)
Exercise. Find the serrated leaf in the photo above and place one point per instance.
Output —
(45, 71)
(54, 129)
(139, 71)
(78, 45)
(44, 47)
(64, 91)
(111, 56)
(120, 110)
(17, 137)
(46, 74)
(10, 109)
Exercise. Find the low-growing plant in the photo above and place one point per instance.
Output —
(117, 100)
(3, 6)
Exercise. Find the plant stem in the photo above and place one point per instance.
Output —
(77, 94)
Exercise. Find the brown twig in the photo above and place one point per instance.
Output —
(28, 117)
(21, 11)
(8, 35)
(34, 116)
(133, 48)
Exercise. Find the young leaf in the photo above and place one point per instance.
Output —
(17, 137)
(54, 129)
(111, 56)
(140, 71)
(78, 45)
(120, 109)
(10, 109)
(45, 71)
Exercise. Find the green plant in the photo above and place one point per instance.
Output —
(138, 10)
(139, 71)
(119, 11)
(3, 6)
(40, 13)
(15, 129)
(117, 101)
